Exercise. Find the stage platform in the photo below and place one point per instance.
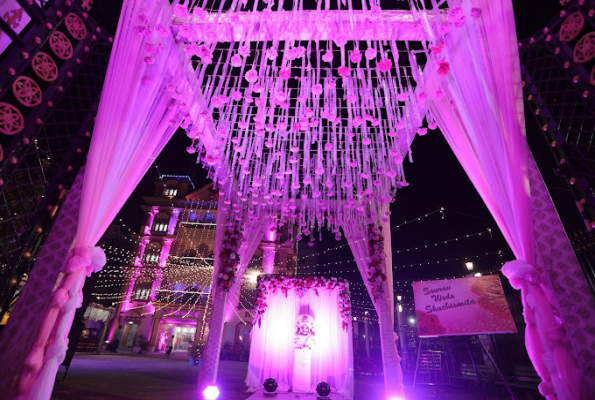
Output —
(259, 395)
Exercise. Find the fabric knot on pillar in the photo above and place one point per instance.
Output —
(544, 334)
(519, 272)
(90, 257)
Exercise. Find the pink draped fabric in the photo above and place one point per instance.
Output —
(223, 302)
(479, 108)
(140, 109)
(357, 237)
(272, 348)
(253, 235)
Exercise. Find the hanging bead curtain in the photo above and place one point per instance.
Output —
(307, 115)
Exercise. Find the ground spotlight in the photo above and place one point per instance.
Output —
(323, 391)
(211, 393)
(270, 387)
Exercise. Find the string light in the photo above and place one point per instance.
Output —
(202, 269)
(436, 244)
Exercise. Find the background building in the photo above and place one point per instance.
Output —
(168, 283)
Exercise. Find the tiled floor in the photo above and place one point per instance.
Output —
(128, 377)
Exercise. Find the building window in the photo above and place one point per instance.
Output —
(152, 252)
(161, 223)
(142, 291)
(171, 188)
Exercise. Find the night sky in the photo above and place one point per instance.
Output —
(436, 180)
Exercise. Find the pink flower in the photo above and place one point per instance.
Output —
(200, 13)
(328, 56)
(443, 68)
(181, 11)
(460, 22)
(317, 89)
(149, 60)
(296, 52)
(370, 53)
(454, 14)
(340, 41)
(344, 71)
(285, 73)
(422, 96)
(271, 53)
(244, 51)
(251, 76)
(149, 48)
(236, 61)
(161, 31)
(204, 51)
(355, 56)
(444, 28)
(438, 48)
(476, 12)
(185, 31)
(385, 65)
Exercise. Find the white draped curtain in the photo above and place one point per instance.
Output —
(140, 109)
(478, 106)
(224, 302)
(272, 346)
(357, 237)
(253, 236)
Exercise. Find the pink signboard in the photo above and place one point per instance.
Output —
(465, 306)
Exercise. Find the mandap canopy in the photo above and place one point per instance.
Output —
(303, 113)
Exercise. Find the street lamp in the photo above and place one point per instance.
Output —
(469, 265)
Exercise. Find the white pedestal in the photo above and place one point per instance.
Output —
(302, 371)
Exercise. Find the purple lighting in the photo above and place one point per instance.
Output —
(211, 393)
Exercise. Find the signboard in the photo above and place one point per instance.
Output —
(465, 306)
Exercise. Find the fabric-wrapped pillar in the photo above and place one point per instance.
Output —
(221, 307)
(381, 291)
(142, 103)
(34, 302)
(208, 373)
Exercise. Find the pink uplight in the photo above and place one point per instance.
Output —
(211, 393)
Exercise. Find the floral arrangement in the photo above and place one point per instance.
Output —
(429, 324)
(270, 284)
(230, 258)
(376, 269)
